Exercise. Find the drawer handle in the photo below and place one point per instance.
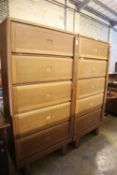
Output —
(49, 41)
(91, 104)
(48, 117)
(48, 138)
(93, 87)
(49, 94)
(48, 69)
(93, 68)
(95, 50)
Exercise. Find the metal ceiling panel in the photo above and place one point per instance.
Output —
(105, 9)
(111, 4)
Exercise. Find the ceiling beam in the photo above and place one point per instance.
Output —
(83, 4)
(105, 7)
(99, 14)
(94, 11)
(114, 23)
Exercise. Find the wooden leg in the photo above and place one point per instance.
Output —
(105, 114)
(77, 143)
(27, 169)
(96, 131)
(64, 149)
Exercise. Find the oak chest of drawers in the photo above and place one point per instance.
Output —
(37, 74)
(92, 68)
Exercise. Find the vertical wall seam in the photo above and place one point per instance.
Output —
(65, 15)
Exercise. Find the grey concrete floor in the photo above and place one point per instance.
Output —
(97, 155)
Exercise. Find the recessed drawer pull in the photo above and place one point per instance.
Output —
(49, 41)
(49, 94)
(95, 50)
(93, 86)
(48, 117)
(48, 138)
(48, 69)
(94, 68)
(91, 104)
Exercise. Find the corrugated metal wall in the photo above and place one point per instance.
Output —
(94, 29)
(44, 12)
(40, 11)
(4, 9)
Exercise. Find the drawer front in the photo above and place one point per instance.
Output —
(87, 121)
(89, 103)
(42, 118)
(37, 96)
(42, 140)
(91, 68)
(39, 69)
(90, 48)
(87, 87)
(33, 39)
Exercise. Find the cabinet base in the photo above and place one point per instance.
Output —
(25, 164)
(77, 138)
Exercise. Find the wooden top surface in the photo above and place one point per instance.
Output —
(51, 28)
(38, 25)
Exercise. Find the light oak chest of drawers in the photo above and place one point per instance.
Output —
(37, 73)
(54, 86)
(91, 78)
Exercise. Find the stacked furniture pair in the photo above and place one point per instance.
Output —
(54, 85)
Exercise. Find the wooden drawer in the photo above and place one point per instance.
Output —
(89, 103)
(40, 68)
(27, 38)
(42, 118)
(36, 96)
(91, 48)
(41, 140)
(91, 68)
(87, 122)
(87, 87)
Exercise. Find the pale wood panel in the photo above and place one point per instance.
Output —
(40, 68)
(89, 103)
(91, 68)
(36, 119)
(87, 87)
(41, 140)
(33, 39)
(87, 121)
(29, 97)
(90, 48)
